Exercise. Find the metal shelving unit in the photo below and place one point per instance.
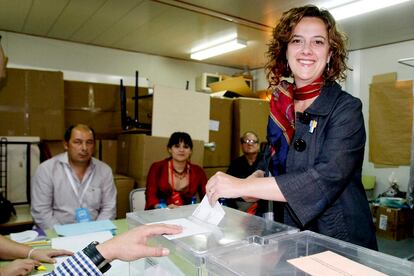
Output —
(3, 166)
(4, 142)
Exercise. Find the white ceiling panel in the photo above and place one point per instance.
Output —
(73, 17)
(172, 28)
(13, 14)
(42, 15)
(102, 19)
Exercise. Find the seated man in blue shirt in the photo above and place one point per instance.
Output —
(73, 186)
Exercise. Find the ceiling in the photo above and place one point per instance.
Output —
(171, 28)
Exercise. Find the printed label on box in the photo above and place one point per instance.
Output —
(383, 222)
(214, 125)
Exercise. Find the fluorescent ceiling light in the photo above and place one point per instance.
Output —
(219, 49)
(345, 10)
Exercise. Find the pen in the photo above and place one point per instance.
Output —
(45, 242)
(40, 268)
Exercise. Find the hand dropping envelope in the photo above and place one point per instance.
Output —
(205, 212)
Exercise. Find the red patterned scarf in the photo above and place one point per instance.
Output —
(309, 91)
(281, 124)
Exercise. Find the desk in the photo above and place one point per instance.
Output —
(21, 221)
(121, 225)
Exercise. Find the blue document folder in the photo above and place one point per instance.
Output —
(74, 229)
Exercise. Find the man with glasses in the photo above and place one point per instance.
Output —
(243, 166)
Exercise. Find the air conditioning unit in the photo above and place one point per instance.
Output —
(203, 81)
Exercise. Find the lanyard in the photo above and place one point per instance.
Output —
(73, 184)
(172, 174)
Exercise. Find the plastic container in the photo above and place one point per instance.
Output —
(188, 254)
(261, 256)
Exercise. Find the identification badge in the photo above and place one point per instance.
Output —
(312, 125)
(83, 215)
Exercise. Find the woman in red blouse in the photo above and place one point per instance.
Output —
(175, 179)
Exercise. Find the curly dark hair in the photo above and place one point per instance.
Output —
(277, 67)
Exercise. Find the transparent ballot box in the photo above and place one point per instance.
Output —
(261, 256)
(188, 254)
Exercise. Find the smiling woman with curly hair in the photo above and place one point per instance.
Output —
(315, 131)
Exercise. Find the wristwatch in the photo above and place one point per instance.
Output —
(96, 257)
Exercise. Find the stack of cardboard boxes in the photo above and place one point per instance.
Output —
(229, 119)
(98, 105)
(217, 155)
(41, 103)
(32, 104)
(249, 115)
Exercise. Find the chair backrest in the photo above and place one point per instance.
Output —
(369, 185)
(368, 181)
(137, 200)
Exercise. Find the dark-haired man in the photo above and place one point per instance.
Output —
(73, 186)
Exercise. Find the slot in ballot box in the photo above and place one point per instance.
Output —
(262, 256)
(188, 254)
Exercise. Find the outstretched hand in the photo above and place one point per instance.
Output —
(132, 245)
(47, 255)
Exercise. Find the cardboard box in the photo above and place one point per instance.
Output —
(54, 147)
(122, 160)
(99, 105)
(106, 151)
(239, 85)
(221, 117)
(102, 122)
(212, 171)
(31, 104)
(124, 185)
(249, 115)
(143, 150)
(392, 223)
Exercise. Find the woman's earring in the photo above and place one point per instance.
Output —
(288, 69)
(327, 66)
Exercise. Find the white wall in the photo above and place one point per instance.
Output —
(30, 51)
(367, 63)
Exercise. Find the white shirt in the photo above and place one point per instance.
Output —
(54, 201)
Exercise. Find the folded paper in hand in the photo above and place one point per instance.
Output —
(205, 212)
